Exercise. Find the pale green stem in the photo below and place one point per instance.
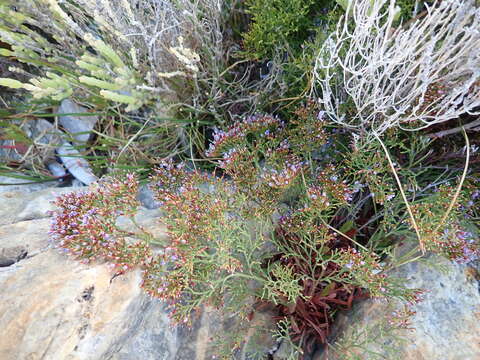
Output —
(344, 235)
(460, 185)
(404, 197)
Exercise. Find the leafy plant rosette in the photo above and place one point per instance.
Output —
(229, 246)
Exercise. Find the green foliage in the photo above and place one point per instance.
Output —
(277, 24)
(289, 46)
(70, 50)
(67, 63)
(229, 249)
(407, 8)
(379, 340)
(443, 232)
(156, 77)
(78, 53)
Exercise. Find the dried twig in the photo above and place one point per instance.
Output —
(460, 184)
(470, 126)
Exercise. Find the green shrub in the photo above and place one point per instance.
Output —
(277, 24)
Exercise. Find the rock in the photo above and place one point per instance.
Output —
(53, 307)
(56, 308)
(261, 330)
(40, 140)
(77, 183)
(19, 205)
(80, 127)
(287, 352)
(446, 325)
(45, 136)
(57, 169)
(210, 326)
(76, 164)
(145, 196)
(69, 155)
(12, 151)
(11, 255)
(46, 142)
(149, 219)
(15, 183)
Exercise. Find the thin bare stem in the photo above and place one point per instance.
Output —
(404, 197)
(443, 133)
(460, 185)
(344, 235)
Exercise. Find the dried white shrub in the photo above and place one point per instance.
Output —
(410, 77)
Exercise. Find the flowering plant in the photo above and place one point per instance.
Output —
(229, 247)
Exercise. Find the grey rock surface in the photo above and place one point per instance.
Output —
(145, 196)
(18, 204)
(12, 184)
(78, 126)
(68, 154)
(12, 255)
(446, 325)
(76, 164)
(47, 142)
(57, 169)
(40, 141)
(53, 307)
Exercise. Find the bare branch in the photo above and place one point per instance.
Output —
(470, 126)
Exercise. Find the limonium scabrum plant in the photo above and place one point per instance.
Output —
(261, 229)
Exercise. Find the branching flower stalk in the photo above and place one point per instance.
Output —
(404, 197)
(460, 184)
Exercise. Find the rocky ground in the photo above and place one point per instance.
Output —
(53, 307)
(446, 325)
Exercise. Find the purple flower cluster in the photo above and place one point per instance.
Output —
(161, 281)
(462, 246)
(261, 125)
(475, 196)
(231, 157)
(318, 197)
(336, 188)
(84, 225)
(364, 270)
(285, 177)
(167, 179)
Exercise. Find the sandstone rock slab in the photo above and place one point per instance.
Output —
(76, 121)
(446, 325)
(53, 307)
(14, 183)
(18, 205)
